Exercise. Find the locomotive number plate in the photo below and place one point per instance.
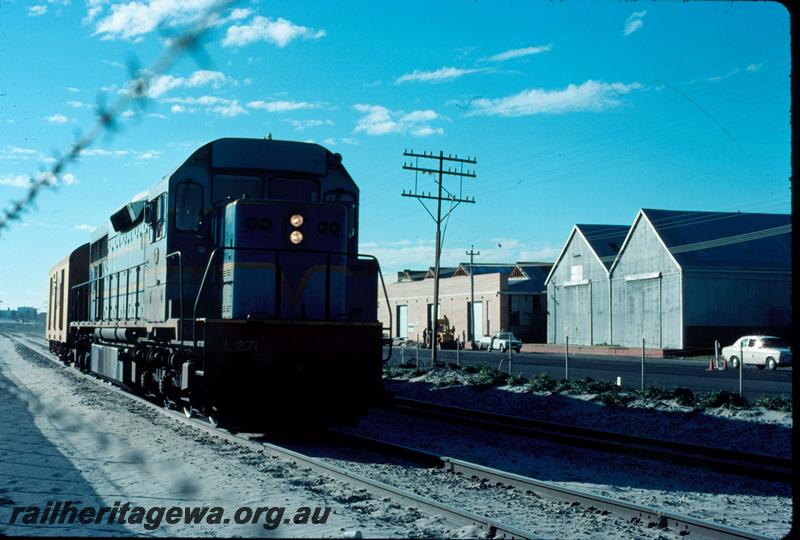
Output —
(241, 345)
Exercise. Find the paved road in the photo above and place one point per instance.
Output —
(663, 372)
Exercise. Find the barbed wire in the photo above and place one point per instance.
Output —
(135, 93)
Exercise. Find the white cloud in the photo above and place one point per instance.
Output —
(127, 114)
(72, 89)
(157, 115)
(84, 228)
(279, 32)
(202, 100)
(161, 84)
(122, 153)
(15, 180)
(24, 181)
(589, 96)
(79, 104)
(378, 120)
(439, 75)
(226, 108)
(300, 125)
(229, 109)
(518, 53)
(57, 119)
(633, 22)
(17, 153)
(753, 67)
(37, 11)
(240, 13)
(426, 131)
(149, 155)
(132, 20)
(282, 106)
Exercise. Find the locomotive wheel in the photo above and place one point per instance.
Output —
(214, 417)
(188, 411)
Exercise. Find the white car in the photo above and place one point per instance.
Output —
(761, 351)
(500, 341)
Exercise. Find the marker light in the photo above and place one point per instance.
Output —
(296, 220)
(296, 237)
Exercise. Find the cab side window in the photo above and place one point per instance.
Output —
(188, 206)
(155, 214)
(348, 200)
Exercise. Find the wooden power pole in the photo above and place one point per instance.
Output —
(442, 195)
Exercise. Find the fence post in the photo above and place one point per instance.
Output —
(642, 385)
(458, 354)
(416, 357)
(741, 367)
(716, 354)
(566, 358)
(403, 353)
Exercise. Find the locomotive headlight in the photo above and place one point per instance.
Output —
(295, 237)
(296, 220)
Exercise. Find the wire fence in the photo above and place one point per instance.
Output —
(135, 93)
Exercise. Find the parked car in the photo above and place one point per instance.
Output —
(762, 351)
(500, 342)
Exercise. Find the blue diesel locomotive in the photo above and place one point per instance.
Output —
(233, 287)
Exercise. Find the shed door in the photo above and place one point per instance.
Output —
(402, 321)
(477, 320)
(643, 312)
(577, 315)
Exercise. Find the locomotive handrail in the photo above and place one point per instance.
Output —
(93, 280)
(278, 252)
(180, 289)
(388, 308)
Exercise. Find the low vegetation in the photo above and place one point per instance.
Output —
(605, 392)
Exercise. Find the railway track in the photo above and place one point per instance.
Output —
(740, 463)
(643, 515)
(680, 523)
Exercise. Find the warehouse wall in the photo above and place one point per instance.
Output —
(581, 310)
(646, 293)
(454, 297)
(722, 306)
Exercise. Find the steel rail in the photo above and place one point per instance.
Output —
(728, 461)
(456, 515)
(650, 517)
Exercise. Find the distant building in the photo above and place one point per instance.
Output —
(26, 314)
(507, 297)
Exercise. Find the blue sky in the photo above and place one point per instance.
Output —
(577, 112)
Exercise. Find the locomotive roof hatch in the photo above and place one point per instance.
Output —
(130, 214)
